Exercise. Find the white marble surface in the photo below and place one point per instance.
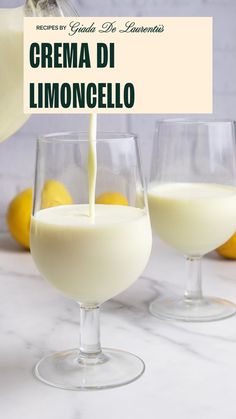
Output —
(190, 368)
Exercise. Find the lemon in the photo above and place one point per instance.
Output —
(113, 198)
(19, 211)
(18, 217)
(228, 249)
(55, 193)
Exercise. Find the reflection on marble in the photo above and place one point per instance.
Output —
(190, 368)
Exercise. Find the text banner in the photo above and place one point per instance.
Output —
(118, 64)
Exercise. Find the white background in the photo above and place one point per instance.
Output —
(17, 153)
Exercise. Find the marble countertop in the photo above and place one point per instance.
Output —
(190, 368)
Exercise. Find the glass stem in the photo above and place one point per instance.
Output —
(90, 331)
(193, 290)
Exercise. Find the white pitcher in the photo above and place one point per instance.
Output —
(11, 58)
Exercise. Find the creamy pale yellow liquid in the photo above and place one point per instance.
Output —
(11, 72)
(91, 262)
(194, 218)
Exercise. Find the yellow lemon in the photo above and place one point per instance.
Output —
(55, 193)
(228, 249)
(113, 198)
(18, 217)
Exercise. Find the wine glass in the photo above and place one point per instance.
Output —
(88, 261)
(192, 203)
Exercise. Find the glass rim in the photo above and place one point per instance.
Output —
(69, 137)
(186, 121)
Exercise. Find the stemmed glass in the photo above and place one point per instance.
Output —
(192, 203)
(88, 261)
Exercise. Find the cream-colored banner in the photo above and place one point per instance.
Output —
(118, 64)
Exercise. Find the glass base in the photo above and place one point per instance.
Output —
(203, 310)
(70, 370)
